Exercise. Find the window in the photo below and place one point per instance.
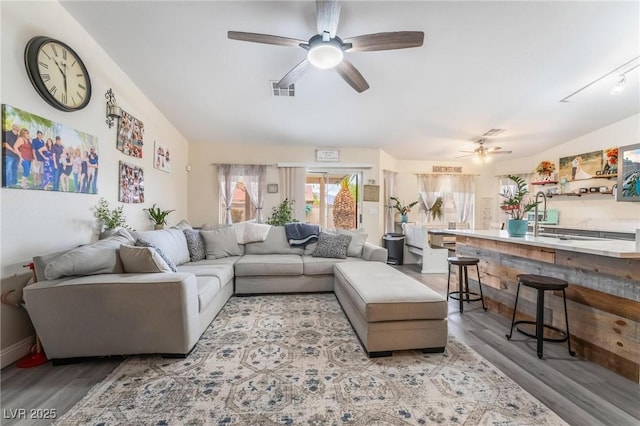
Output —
(241, 207)
(333, 199)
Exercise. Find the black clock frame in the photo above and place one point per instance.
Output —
(31, 64)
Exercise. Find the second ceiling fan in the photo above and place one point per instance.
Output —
(326, 50)
(482, 152)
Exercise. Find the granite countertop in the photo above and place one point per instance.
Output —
(597, 246)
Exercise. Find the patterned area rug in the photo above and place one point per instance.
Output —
(294, 359)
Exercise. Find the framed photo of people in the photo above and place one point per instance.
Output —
(628, 173)
(41, 154)
(130, 135)
(162, 157)
(131, 188)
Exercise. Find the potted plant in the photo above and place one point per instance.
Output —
(517, 204)
(109, 219)
(158, 216)
(281, 214)
(403, 210)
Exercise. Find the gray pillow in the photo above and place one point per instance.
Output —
(171, 241)
(330, 245)
(358, 238)
(167, 259)
(195, 244)
(142, 260)
(100, 257)
(221, 242)
(182, 225)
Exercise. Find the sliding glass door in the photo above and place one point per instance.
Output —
(333, 199)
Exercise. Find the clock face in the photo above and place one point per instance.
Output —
(57, 73)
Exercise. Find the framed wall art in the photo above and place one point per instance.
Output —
(581, 166)
(272, 188)
(628, 173)
(55, 157)
(371, 193)
(131, 189)
(161, 159)
(130, 135)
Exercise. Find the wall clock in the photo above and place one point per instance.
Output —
(57, 73)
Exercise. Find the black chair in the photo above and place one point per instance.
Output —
(463, 294)
(542, 284)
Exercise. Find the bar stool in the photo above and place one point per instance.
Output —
(542, 284)
(463, 293)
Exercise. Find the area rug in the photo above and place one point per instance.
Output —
(294, 359)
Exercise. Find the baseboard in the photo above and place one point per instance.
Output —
(16, 351)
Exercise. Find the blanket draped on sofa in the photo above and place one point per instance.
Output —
(301, 234)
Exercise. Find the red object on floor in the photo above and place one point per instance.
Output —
(32, 360)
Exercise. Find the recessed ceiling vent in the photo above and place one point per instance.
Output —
(494, 132)
(287, 91)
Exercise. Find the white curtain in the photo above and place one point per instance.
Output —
(228, 176)
(463, 190)
(292, 187)
(389, 179)
(430, 187)
(254, 178)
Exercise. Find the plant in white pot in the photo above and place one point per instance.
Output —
(109, 220)
(158, 216)
(517, 204)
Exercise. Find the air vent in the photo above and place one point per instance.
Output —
(494, 132)
(287, 91)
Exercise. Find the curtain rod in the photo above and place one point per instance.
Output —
(447, 174)
(238, 164)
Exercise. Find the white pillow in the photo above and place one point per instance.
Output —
(142, 260)
(358, 238)
(251, 232)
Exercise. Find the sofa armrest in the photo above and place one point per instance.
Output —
(374, 253)
(115, 314)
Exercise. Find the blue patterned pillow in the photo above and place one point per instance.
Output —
(143, 243)
(330, 245)
(195, 244)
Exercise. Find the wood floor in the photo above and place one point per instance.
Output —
(581, 392)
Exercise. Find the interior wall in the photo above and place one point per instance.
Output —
(38, 222)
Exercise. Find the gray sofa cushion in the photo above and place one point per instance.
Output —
(172, 242)
(330, 245)
(323, 265)
(358, 238)
(137, 260)
(167, 259)
(276, 243)
(100, 257)
(208, 287)
(272, 264)
(221, 242)
(41, 262)
(214, 268)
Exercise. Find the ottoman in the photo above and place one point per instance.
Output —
(389, 310)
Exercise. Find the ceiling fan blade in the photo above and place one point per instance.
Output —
(294, 74)
(386, 41)
(493, 148)
(469, 152)
(327, 16)
(352, 76)
(264, 38)
(464, 156)
(499, 152)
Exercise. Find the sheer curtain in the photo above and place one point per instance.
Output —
(463, 190)
(292, 183)
(389, 179)
(430, 187)
(254, 178)
(228, 176)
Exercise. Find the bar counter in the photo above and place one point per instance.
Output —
(603, 297)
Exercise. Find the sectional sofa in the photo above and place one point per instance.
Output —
(157, 291)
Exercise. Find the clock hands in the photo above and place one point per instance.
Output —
(64, 76)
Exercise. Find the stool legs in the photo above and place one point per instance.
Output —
(540, 322)
(462, 271)
(513, 318)
(480, 285)
(566, 321)
(463, 287)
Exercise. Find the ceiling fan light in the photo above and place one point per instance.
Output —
(325, 55)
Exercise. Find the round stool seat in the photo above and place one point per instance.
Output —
(541, 282)
(463, 261)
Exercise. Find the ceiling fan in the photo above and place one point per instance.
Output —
(483, 153)
(325, 50)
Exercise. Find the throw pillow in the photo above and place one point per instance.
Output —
(182, 225)
(334, 246)
(171, 241)
(195, 244)
(100, 257)
(139, 260)
(358, 238)
(143, 243)
(255, 232)
(221, 242)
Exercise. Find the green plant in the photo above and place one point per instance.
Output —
(109, 218)
(402, 209)
(436, 208)
(281, 214)
(516, 202)
(158, 216)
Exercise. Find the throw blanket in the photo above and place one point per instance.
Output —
(301, 234)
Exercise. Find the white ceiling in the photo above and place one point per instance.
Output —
(483, 65)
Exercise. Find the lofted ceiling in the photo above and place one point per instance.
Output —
(483, 65)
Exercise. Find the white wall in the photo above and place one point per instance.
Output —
(38, 222)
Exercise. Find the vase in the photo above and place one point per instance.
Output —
(158, 226)
(517, 227)
(404, 218)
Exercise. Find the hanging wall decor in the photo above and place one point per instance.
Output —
(161, 159)
(581, 166)
(628, 187)
(42, 154)
(131, 183)
(130, 135)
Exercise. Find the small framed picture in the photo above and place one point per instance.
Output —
(371, 193)
(272, 188)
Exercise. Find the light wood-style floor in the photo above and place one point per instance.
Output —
(581, 392)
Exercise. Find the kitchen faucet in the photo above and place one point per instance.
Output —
(535, 212)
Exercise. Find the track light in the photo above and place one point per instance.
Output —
(619, 87)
